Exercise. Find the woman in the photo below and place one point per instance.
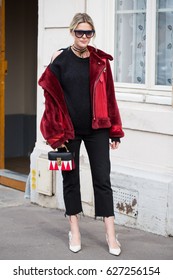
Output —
(80, 105)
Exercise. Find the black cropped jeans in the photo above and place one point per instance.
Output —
(97, 147)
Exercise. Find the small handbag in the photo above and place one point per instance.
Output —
(61, 159)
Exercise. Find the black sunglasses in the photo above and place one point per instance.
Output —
(80, 33)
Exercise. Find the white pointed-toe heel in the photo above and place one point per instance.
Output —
(73, 248)
(114, 251)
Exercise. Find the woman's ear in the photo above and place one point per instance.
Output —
(72, 33)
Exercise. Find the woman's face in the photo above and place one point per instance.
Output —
(82, 42)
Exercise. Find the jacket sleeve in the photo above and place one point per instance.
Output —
(113, 110)
(56, 126)
(51, 125)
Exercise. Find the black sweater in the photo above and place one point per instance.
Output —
(73, 75)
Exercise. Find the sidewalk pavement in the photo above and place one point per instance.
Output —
(29, 231)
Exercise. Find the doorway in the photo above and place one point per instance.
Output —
(21, 23)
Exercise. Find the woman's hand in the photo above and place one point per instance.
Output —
(63, 145)
(114, 145)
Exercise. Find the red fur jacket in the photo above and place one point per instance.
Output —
(56, 125)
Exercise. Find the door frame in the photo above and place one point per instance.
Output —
(3, 69)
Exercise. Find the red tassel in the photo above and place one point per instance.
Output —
(56, 166)
(63, 166)
(68, 166)
(51, 166)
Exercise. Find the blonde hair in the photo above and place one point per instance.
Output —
(80, 18)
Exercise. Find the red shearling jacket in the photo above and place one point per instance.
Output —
(56, 125)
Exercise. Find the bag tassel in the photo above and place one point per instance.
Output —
(65, 165)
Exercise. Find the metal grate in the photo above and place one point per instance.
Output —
(125, 201)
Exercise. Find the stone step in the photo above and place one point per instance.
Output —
(13, 179)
